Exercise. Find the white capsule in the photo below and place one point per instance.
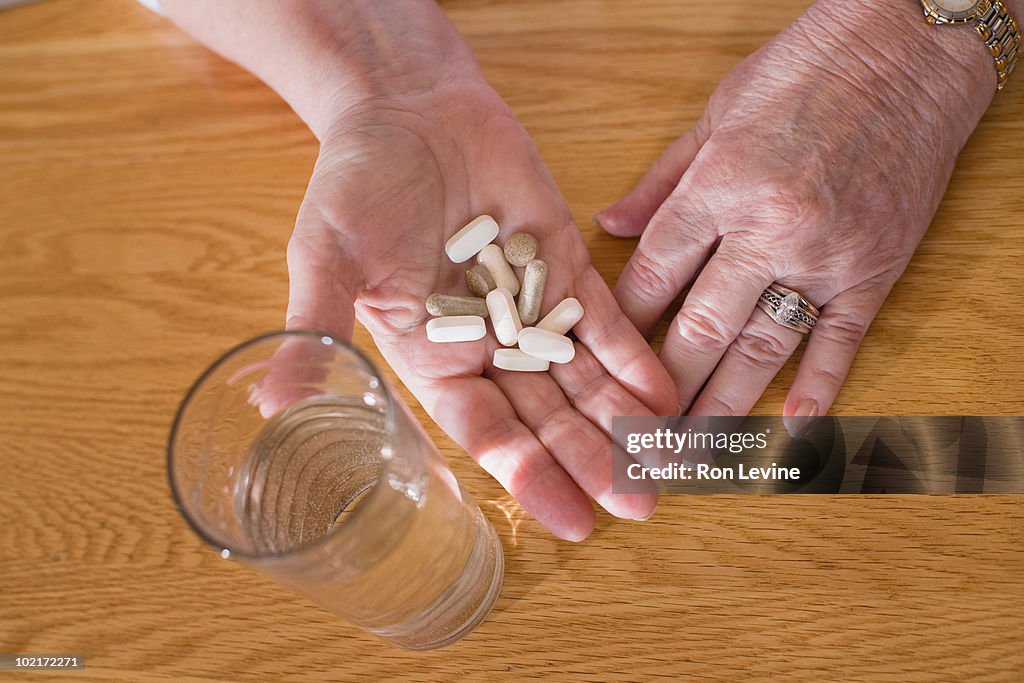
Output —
(504, 316)
(546, 345)
(492, 258)
(517, 361)
(467, 242)
(562, 317)
(456, 328)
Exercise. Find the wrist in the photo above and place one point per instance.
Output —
(323, 56)
(384, 55)
(943, 73)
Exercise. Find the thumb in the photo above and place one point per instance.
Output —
(322, 298)
(630, 215)
(323, 283)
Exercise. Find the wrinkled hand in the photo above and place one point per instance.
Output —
(395, 178)
(818, 164)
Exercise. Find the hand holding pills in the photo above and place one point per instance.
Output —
(432, 219)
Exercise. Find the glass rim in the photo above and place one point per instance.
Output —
(176, 493)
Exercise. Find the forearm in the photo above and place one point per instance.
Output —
(322, 56)
(945, 70)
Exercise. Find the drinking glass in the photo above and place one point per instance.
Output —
(292, 455)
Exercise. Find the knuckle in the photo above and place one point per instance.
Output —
(720, 406)
(845, 331)
(649, 279)
(790, 200)
(704, 328)
(761, 348)
(792, 203)
(829, 377)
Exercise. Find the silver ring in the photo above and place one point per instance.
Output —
(788, 308)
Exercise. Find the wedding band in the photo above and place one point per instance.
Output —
(788, 308)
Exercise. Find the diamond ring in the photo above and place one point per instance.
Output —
(788, 308)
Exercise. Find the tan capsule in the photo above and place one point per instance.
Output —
(493, 258)
(520, 248)
(534, 279)
(479, 280)
(446, 305)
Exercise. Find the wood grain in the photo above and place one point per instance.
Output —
(147, 192)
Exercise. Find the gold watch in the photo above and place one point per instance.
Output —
(993, 22)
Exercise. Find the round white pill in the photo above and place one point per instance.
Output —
(467, 242)
(562, 317)
(546, 345)
(517, 361)
(456, 328)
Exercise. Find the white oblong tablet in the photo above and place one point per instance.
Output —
(504, 316)
(546, 345)
(456, 328)
(517, 361)
(562, 317)
(467, 242)
(492, 258)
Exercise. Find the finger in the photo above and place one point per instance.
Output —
(617, 345)
(829, 354)
(630, 215)
(582, 449)
(748, 366)
(717, 307)
(475, 413)
(671, 251)
(323, 283)
(595, 393)
(321, 297)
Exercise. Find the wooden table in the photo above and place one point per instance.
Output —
(147, 190)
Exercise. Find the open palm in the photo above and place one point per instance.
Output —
(393, 181)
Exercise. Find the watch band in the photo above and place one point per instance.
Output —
(1002, 37)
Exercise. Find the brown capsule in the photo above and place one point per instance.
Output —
(446, 305)
(479, 280)
(520, 248)
(534, 279)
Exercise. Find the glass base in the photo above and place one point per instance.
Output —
(469, 594)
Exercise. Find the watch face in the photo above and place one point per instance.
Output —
(956, 6)
(951, 11)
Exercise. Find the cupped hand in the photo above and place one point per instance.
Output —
(395, 178)
(818, 164)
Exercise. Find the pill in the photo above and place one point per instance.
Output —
(479, 280)
(456, 328)
(446, 304)
(546, 345)
(504, 316)
(534, 279)
(467, 242)
(562, 317)
(493, 258)
(520, 248)
(517, 361)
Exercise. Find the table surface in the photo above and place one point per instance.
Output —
(147, 189)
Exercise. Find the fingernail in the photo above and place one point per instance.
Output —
(679, 410)
(801, 421)
(596, 220)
